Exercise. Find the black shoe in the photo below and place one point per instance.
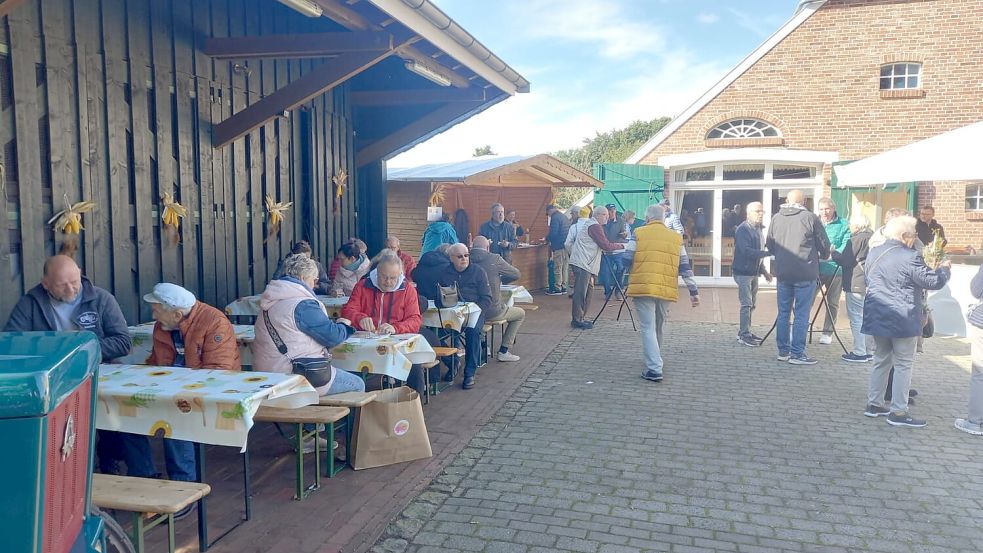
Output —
(184, 512)
(449, 377)
(747, 341)
(652, 375)
(912, 392)
(904, 419)
(586, 325)
(874, 411)
(468, 382)
(757, 338)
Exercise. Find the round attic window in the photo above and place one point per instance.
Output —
(744, 128)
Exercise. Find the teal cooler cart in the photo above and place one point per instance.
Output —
(47, 410)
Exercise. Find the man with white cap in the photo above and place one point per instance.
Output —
(188, 333)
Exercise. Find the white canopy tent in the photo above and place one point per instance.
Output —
(955, 155)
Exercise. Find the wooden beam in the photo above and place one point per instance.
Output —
(7, 5)
(413, 131)
(304, 45)
(323, 78)
(354, 21)
(375, 98)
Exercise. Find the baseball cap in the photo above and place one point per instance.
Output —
(611, 206)
(171, 295)
(549, 207)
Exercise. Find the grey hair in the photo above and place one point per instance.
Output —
(899, 227)
(387, 257)
(860, 221)
(443, 248)
(598, 210)
(300, 267)
(828, 201)
(894, 212)
(655, 212)
(496, 205)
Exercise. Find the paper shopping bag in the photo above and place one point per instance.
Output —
(391, 430)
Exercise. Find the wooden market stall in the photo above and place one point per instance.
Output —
(523, 183)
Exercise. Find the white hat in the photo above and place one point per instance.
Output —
(171, 295)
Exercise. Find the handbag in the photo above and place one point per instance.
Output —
(317, 370)
(447, 296)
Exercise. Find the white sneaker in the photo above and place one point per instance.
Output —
(507, 356)
(321, 442)
(826, 339)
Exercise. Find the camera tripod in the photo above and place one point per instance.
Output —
(823, 305)
(619, 288)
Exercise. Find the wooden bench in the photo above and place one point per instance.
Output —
(314, 415)
(151, 501)
(351, 400)
(442, 352)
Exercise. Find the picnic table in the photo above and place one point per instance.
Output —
(248, 306)
(391, 355)
(461, 316)
(142, 341)
(513, 294)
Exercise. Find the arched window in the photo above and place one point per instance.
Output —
(744, 128)
(901, 76)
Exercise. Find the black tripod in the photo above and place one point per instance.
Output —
(624, 298)
(823, 304)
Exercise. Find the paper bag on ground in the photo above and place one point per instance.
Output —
(391, 430)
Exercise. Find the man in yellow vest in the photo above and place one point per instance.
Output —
(659, 260)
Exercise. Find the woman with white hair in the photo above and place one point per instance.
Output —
(851, 260)
(892, 314)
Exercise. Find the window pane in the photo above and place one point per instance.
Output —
(886, 83)
(886, 71)
(899, 69)
(744, 172)
(899, 82)
(913, 82)
(913, 68)
(793, 172)
(699, 174)
(770, 131)
(715, 133)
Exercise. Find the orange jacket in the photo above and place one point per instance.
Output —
(209, 341)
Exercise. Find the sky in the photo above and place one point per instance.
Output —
(597, 65)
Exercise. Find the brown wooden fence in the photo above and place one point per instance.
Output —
(112, 101)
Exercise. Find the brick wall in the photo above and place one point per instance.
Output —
(820, 87)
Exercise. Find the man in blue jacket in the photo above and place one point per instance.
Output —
(499, 232)
(747, 266)
(67, 301)
(559, 227)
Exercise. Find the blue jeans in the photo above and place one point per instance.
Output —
(855, 311)
(472, 347)
(794, 297)
(652, 313)
(179, 456)
(345, 381)
(611, 263)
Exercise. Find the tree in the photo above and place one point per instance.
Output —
(613, 146)
(485, 150)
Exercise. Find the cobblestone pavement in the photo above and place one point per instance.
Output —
(734, 451)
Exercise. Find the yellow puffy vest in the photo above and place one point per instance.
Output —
(655, 271)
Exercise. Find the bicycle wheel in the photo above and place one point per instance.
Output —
(116, 539)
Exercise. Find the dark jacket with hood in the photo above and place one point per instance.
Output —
(896, 280)
(498, 271)
(559, 227)
(428, 272)
(747, 251)
(496, 232)
(472, 285)
(98, 312)
(798, 241)
(852, 260)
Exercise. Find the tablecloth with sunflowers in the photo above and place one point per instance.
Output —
(248, 306)
(380, 354)
(205, 405)
(142, 341)
(457, 318)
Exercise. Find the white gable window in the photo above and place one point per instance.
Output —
(744, 128)
(974, 197)
(901, 76)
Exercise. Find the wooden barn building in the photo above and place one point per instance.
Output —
(217, 104)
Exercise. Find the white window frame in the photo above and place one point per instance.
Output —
(907, 75)
(978, 196)
(729, 134)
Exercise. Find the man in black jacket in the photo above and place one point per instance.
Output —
(798, 241)
(430, 270)
(747, 266)
(472, 286)
(559, 227)
(499, 232)
(498, 272)
(67, 301)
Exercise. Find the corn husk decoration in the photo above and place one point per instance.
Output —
(171, 218)
(276, 211)
(437, 196)
(69, 222)
(340, 182)
(934, 253)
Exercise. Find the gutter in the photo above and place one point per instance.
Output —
(428, 21)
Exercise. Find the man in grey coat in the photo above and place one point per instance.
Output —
(499, 272)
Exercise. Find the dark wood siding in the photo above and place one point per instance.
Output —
(112, 101)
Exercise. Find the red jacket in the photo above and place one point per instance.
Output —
(408, 264)
(209, 341)
(399, 308)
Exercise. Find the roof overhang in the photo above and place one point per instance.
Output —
(748, 155)
(804, 11)
(542, 170)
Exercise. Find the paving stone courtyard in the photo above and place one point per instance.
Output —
(734, 451)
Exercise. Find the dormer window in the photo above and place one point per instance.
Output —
(901, 76)
(743, 128)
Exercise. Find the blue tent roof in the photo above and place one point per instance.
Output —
(452, 171)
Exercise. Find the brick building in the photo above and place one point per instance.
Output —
(840, 81)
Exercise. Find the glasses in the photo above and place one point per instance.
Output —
(463, 256)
